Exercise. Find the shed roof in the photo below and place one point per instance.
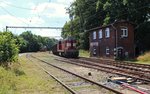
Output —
(104, 26)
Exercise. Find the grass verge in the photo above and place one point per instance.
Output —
(26, 78)
(84, 53)
(145, 58)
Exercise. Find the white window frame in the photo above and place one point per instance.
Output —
(107, 51)
(124, 31)
(107, 33)
(94, 35)
(100, 33)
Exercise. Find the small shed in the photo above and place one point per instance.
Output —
(114, 40)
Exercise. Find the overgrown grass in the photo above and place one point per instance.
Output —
(144, 58)
(26, 78)
(84, 53)
(7, 81)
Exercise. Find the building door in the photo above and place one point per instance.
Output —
(94, 51)
(120, 53)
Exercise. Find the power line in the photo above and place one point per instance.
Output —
(13, 15)
(17, 6)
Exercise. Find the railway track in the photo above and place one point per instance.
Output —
(123, 64)
(79, 81)
(107, 69)
(141, 73)
(132, 72)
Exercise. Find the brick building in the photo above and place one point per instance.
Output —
(115, 40)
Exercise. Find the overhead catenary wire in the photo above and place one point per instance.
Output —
(36, 10)
(13, 15)
(25, 8)
(19, 7)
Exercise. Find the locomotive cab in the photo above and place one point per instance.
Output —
(70, 48)
(66, 48)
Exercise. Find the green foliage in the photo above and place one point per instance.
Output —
(84, 53)
(142, 35)
(7, 81)
(8, 48)
(27, 42)
(85, 14)
(92, 13)
(32, 43)
(145, 57)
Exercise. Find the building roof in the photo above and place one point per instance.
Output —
(104, 26)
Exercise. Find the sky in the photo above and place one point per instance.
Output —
(45, 13)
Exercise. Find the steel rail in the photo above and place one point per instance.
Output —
(98, 84)
(105, 70)
(131, 71)
(118, 62)
(59, 81)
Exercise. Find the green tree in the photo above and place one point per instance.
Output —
(88, 14)
(85, 17)
(8, 48)
(32, 43)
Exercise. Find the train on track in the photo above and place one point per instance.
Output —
(66, 48)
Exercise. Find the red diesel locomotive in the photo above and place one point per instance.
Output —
(66, 48)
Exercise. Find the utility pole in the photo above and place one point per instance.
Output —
(71, 20)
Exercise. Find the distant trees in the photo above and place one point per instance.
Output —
(33, 43)
(11, 45)
(92, 13)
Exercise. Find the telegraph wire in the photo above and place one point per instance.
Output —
(13, 15)
(19, 7)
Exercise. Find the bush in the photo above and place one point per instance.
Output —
(145, 57)
(8, 48)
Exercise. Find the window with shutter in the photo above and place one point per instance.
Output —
(100, 34)
(107, 33)
(94, 35)
(124, 31)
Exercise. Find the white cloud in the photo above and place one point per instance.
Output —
(64, 2)
(52, 33)
(10, 20)
(50, 9)
(13, 21)
(35, 21)
(43, 14)
(4, 3)
(17, 21)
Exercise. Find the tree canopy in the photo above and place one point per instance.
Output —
(11, 45)
(88, 14)
(33, 43)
